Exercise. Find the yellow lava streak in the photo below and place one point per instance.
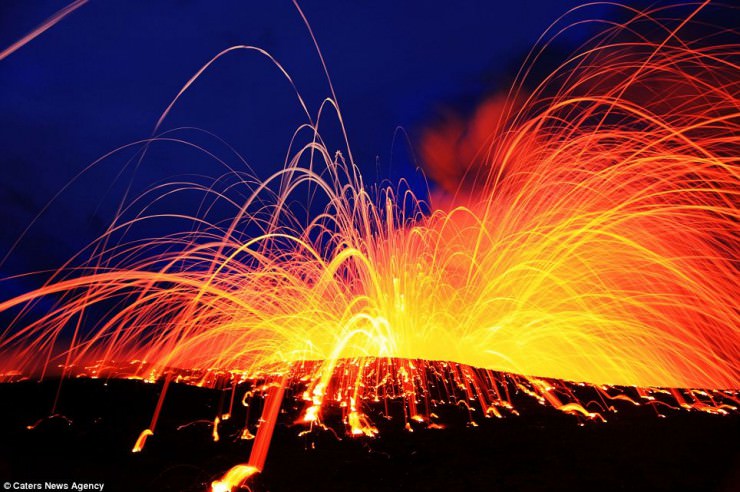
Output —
(141, 440)
(234, 478)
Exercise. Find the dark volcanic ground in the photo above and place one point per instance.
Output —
(542, 449)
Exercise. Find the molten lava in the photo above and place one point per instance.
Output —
(593, 238)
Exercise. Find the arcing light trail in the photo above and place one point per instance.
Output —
(595, 240)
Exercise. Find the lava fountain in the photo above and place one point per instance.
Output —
(589, 233)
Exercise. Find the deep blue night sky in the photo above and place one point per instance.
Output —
(100, 79)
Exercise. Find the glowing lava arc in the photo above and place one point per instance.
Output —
(598, 244)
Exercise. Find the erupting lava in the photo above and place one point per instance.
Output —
(593, 239)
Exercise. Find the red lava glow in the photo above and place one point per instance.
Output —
(587, 230)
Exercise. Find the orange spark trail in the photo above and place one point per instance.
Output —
(39, 30)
